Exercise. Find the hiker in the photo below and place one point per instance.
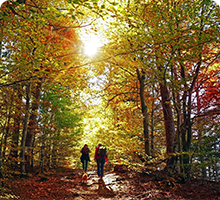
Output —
(85, 157)
(101, 157)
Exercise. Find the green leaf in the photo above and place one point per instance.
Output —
(115, 3)
(76, 1)
(78, 12)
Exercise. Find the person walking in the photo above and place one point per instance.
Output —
(101, 157)
(85, 157)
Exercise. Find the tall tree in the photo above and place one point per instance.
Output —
(39, 43)
(171, 41)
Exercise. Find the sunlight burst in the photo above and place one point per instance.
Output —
(91, 45)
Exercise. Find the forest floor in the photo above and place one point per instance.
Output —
(67, 184)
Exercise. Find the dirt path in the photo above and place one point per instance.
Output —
(68, 185)
(129, 185)
(112, 186)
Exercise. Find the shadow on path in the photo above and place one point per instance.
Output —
(110, 187)
(103, 190)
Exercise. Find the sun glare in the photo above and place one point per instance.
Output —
(91, 45)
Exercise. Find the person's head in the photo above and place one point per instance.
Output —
(100, 144)
(85, 145)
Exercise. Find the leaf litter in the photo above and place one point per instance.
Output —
(66, 183)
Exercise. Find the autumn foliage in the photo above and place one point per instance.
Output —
(151, 93)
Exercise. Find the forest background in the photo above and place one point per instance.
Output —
(150, 93)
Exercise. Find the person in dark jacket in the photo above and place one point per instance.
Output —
(100, 160)
(85, 157)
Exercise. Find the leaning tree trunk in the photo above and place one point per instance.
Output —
(141, 80)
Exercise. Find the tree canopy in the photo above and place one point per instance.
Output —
(150, 93)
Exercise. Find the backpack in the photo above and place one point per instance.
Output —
(85, 150)
(102, 151)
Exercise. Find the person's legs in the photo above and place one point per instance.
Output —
(83, 164)
(98, 167)
(86, 165)
(102, 163)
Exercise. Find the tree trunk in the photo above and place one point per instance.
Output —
(24, 132)
(1, 173)
(178, 136)
(32, 124)
(16, 132)
(32, 154)
(186, 128)
(144, 113)
(152, 125)
(8, 102)
(42, 156)
(7, 130)
(169, 123)
(204, 175)
(177, 107)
